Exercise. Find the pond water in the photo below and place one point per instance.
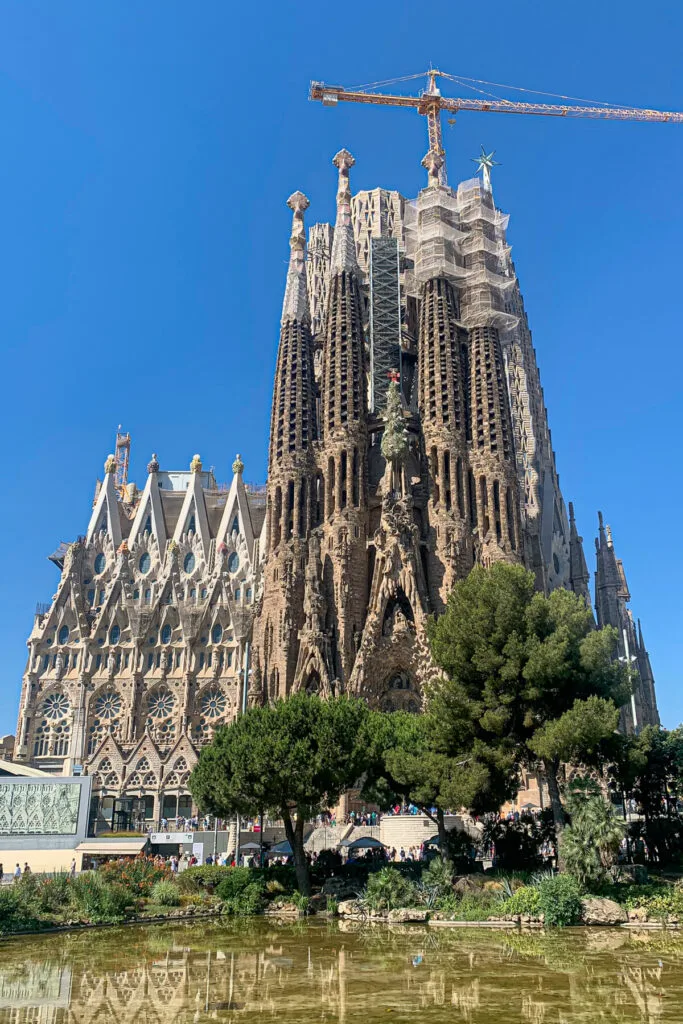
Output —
(318, 971)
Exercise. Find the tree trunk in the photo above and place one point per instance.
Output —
(295, 836)
(550, 768)
(443, 839)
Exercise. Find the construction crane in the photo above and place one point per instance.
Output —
(430, 103)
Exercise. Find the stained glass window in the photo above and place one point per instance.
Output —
(114, 634)
(166, 634)
(233, 562)
(100, 564)
(63, 634)
(217, 633)
(161, 704)
(144, 563)
(213, 703)
(189, 563)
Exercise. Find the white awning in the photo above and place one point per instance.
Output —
(118, 846)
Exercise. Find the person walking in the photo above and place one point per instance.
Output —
(72, 869)
(17, 873)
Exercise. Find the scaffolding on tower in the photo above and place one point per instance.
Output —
(122, 454)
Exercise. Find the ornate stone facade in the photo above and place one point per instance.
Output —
(364, 540)
(142, 652)
(380, 496)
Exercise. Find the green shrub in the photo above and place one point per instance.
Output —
(438, 875)
(661, 901)
(526, 900)
(99, 900)
(138, 875)
(203, 877)
(302, 902)
(560, 900)
(332, 905)
(274, 888)
(165, 894)
(250, 900)
(233, 882)
(53, 894)
(387, 889)
(16, 913)
(590, 844)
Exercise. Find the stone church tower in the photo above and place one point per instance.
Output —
(409, 441)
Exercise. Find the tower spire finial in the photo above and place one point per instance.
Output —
(343, 247)
(295, 305)
(433, 162)
(484, 164)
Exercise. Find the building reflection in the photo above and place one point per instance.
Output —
(193, 975)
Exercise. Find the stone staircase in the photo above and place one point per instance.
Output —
(406, 830)
(324, 837)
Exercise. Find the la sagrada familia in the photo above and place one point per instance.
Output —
(409, 441)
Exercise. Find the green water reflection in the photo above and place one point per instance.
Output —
(317, 971)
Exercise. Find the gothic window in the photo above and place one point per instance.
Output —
(171, 781)
(55, 706)
(100, 564)
(180, 765)
(63, 635)
(114, 634)
(217, 633)
(142, 765)
(150, 780)
(233, 562)
(166, 634)
(235, 528)
(145, 563)
(160, 708)
(160, 704)
(106, 718)
(189, 563)
(192, 525)
(213, 706)
(52, 730)
(148, 525)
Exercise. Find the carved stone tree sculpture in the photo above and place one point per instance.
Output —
(394, 441)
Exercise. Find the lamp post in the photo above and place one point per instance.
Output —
(628, 660)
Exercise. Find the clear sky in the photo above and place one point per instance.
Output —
(147, 153)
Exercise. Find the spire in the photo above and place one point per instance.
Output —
(433, 162)
(607, 580)
(293, 419)
(344, 246)
(153, 464)
(485, 163)
(295, 305)
(578, 570)
(238, 465)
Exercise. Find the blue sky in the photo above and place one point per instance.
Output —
(148, 150)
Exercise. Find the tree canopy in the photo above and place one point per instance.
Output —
(294, 758)
(531, 673)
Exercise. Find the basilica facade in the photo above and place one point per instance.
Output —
(409, 441)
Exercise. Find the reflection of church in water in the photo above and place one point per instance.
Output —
(298, 973)
(409, 441)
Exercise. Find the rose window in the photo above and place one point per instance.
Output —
(213, 704)
(108, 706)
(55, 706)
(161, 704)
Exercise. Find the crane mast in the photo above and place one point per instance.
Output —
(430, 103)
